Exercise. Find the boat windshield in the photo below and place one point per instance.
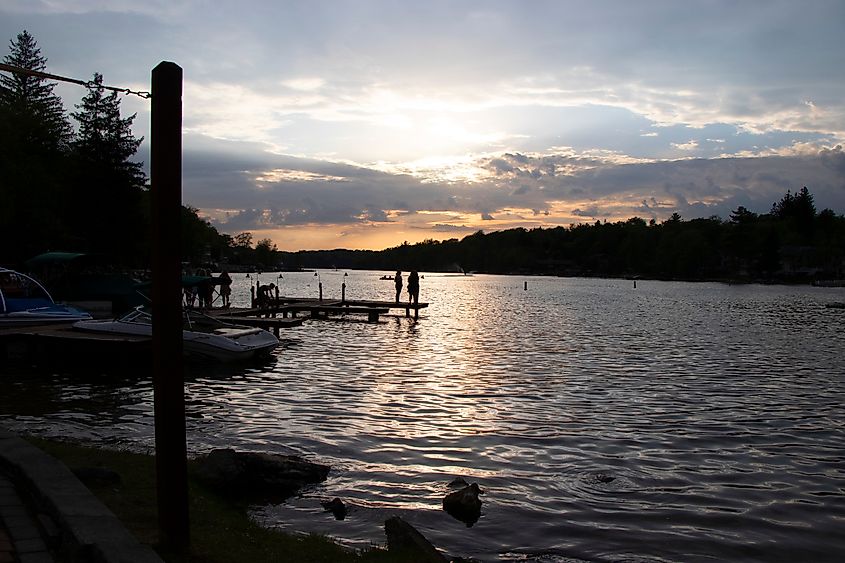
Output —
(19, 292)
(192, 320)
(138, 315)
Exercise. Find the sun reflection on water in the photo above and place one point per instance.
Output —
(589, 412)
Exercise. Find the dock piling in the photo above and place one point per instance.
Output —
(168, 379)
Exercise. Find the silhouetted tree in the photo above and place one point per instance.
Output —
(34, 133)
(241, 248)
(108, 183)
(742, 216)
(200, 239)
(29, 101)
(105, 139)
(266, 253)
(799, 211)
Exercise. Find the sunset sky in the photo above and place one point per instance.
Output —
(363, 124)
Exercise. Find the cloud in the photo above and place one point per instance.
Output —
(354, 117)
(589, 212)
(240, 188)
(834, 159)
(688, 146)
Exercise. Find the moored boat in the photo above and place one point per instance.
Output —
(202, 336)
(25, 302)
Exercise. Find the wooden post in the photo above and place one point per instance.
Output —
(168, 382)
(320, 284)
(343, 292)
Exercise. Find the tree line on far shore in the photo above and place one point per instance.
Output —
(80, 190)
(793, 242)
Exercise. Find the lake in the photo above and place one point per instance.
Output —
(667, 422)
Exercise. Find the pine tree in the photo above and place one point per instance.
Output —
(38, 114)
(108, 185)
(105, 139)
(34, 137)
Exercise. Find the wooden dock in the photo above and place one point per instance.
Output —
(291, 306)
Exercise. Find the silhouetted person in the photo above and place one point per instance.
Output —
(264, 295)
(397, 280)
(225, 288)
(189, 292)
(414, 291)
(413, 287)
(206, 290)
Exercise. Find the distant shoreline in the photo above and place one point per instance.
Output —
(630, 277)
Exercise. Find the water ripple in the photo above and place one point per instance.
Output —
(673, 422)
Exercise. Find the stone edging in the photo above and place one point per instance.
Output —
(89, 530)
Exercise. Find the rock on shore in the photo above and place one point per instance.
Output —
(404, 539)
(258, 475)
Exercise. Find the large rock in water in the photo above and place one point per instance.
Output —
(258, 475)
(405, 541)
(464, 504)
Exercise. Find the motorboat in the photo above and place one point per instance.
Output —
(25, 302)
(202, 336)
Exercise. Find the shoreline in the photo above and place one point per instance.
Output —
(221, 528)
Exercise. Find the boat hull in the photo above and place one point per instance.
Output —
(230, 343)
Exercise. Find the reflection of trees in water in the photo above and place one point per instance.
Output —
(34, 392)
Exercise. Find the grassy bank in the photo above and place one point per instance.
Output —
(221, 531)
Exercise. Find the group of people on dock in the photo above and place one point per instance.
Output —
(413, 286)
(201, 293)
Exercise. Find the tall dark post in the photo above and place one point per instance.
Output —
(168, 382)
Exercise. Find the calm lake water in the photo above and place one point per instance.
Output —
(671, 422)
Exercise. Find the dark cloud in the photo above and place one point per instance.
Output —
(374, 214)
(500, 165)
(834, 159)
(588, 212)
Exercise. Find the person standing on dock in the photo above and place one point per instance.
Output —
(225, 288)
(397, 280)
(414, 287)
